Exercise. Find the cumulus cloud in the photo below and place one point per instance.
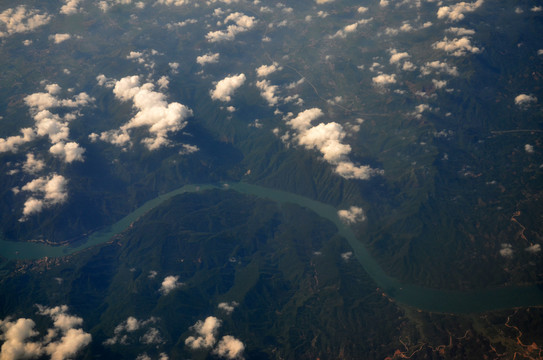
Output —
(457, 46)
(534, 249)
(396, 56)
(125, 333)
(506, 250)
(456, 12)
(46, 191)
(206, 331)
(153, 112)
(525, 100)
(229, 347)
(241, 23)
(21, 20)
(33, 165)
(225, 88)
(228, 307)
(63, 341)
(173, 2)
(529, 148)
(69, 152)
(12, 143)
(58, 38)
(346, 256)
(267, 91)
(439, 67)
(342, 33)
(169, 284)
(265, 70)
(384, 79)
(352, 215)
(70, 7)
(208, 59)
(327, 139)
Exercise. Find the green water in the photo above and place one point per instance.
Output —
(412, 295)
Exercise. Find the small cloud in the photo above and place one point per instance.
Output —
(226, 87)
(70, 7)
(208, 59)
(352, 215)
(506, 250)
(169, 284)
(384, 79)
(206, 331)
(127, 332)
(346, 256)
(58, 38)
(525, 100)
(229, 347)
(534, 249)
(456, 12)
(265, 70)
(529, 148)
(457, 46)
(228, 307)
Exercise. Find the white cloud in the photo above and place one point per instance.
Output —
(229, 347)
(327, 139)
(70, 7)
(153, 112)
(173, 2)
(169, 284)
(524, 100)
(362, 9)
(536, 9)
(342, 33)
(352, 215)
(265, 70)
(439, 84)
(12, 143)
(46, 192)
(456, 12)
(529, 148)
(124, 332)
(384, 3)
(68, 151)
(20, 20)
(208, 59)
(458, 31)
(384, 79)
(226, 87)
(206, 332)
(396, 57)
(33, 165)
(323, 1)
(457, 46)
(267, 91)
(242, 23)
(534, 249)
(439, 67)
(228, 307)
(61, 342)
(506, 250)
(346, 256)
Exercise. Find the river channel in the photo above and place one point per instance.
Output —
(429, 299)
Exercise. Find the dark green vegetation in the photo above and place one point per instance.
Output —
(283, 265)
(458, 188)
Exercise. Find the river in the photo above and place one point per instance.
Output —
(428, 299)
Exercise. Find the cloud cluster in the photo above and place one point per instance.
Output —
(241, 23)
(439, 67)
(327, 139)
(169, 284)
(352, 215)
(63, 341)
(228, 307)
(152, 111)
(46, 191)
(265, 70)
(456, 12)
(384, 79)
(206, 331)
(70, 7)
(21, 20)
(525, 100)
(208, 59)
(225, 88)
(457, 46)
(343, 32)
(125, 332)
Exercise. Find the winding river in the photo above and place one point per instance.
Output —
(419, 297)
